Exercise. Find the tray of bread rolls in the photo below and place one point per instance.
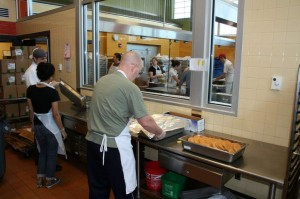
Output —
(213, 146)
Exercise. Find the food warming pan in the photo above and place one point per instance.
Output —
(212, 152)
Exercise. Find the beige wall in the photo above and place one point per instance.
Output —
(11, 6)
(271, 46)
(62, 30)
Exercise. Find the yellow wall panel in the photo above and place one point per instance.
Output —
(62, 30)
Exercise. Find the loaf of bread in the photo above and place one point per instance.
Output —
(217, 143)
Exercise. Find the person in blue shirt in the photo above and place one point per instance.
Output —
(186, 77)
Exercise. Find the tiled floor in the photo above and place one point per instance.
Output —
(19, 179)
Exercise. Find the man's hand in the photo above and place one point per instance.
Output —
(160, 136)
(63, 133)
(54, 83)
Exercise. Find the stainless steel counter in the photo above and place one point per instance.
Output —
(260, 162)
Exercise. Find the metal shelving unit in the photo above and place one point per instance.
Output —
(291, 183)
(13, 139)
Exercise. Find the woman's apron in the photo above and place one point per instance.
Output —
(49, 122)
(158, 72)
(127, 157)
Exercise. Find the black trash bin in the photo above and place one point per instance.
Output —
(4, 127)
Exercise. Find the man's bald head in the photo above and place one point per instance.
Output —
(131, 64)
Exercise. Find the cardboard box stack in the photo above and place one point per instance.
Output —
(12, 81)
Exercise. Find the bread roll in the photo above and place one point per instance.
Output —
(217, 143)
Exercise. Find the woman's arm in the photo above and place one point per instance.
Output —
(151, 75)
(57, 119)
(31, 111)
(176, 79)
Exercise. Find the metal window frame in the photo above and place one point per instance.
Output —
(202, 48)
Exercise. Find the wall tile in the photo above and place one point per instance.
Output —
(258, 127)
(218, 128)
(269, 4)
(267, 37)
(218, 119)
(279, 37)
(282, 3)
(293, 37)
(294, 2)
(271, 119)
(294, 12)
(228, 121)
(282, 132)
(281, 141)
(291, 50)
(247, 134)
(291, 25)
(281, 13)
(278, 50)
(237, 123)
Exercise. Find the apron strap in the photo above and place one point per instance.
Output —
(103, 147)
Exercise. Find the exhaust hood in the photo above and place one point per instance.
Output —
(222, 41)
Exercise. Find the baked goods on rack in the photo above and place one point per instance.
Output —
(217, 143)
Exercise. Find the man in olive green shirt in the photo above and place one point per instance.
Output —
(111, 163)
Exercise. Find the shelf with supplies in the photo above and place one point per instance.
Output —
(21, 139)
(15, 109)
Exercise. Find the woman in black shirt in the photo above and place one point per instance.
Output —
(43, 100)
(155, 71)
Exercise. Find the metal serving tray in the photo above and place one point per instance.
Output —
(212, 152)
(72, 94)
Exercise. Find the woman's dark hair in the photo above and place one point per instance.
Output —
(44, 71)
(118, 56)
(175, 63)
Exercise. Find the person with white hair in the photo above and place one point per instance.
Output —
(110, 158)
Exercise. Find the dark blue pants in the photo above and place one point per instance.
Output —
(48, 151)
(187, 91)
(103, 178)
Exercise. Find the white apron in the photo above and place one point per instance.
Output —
(49, 122)
(127, 157)
(158, 72)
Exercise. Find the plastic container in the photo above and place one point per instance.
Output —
(172, 184)
(153, 175)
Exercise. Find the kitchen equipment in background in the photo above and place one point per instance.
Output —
(72, 94)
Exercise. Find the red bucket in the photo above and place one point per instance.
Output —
(153, 175)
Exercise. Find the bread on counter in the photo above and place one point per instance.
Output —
(217, 143)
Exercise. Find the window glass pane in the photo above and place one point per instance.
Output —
(88, 68)
(46, 5)
(148, 47)
(223, 51)
(227, 30)
(182, 9)
(164, 67)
